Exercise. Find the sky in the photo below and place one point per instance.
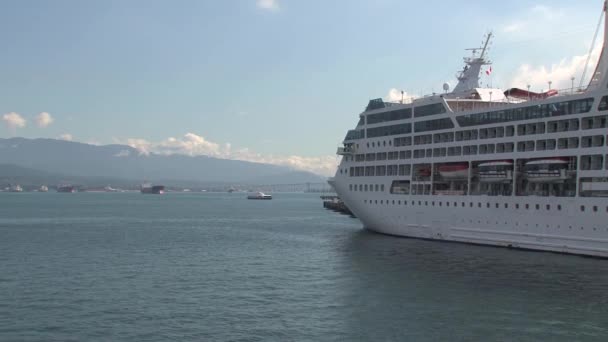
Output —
(277, 81)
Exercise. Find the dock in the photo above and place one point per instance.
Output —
(336, 204)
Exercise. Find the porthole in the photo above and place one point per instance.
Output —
(419, 202)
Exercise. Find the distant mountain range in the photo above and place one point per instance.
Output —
(57, 160)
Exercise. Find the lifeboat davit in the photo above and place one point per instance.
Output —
(454, 171)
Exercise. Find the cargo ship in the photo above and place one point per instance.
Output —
(152, 189)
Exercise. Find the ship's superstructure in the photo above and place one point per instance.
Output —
(486, 166)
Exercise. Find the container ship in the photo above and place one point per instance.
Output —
(488, 166)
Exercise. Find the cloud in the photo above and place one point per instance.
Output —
(269, 5)
(44, 119)
(559, 73)
(195, 145)
(66, 137)
(394, 95)
(13, 121)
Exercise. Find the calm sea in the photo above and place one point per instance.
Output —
(217, 267)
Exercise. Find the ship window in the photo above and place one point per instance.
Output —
(559, 207)
(506, 205)
(516, 205)
(447, 204)
(496, 205)
(548, 207)
(487, 205)
(479, 205)
(527, 206)
(603, 103)
(538, 207)
(365, 187)
(582, 208)
(384, 131)
(463, 205)
(432, 109)
(394, 115)
(433, 125)
(595, 208)
(382, 187)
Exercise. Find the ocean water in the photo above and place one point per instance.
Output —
(217, 267)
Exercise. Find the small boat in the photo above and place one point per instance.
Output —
(547, 170)
(454, 171)
(498, 171)
(15, 188)
(43, 188)
(259, 196)
(66, 188)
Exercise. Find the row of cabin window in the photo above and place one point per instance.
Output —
(488, 205)
(381, 170)
(527, 113)
(366, 187)
(522, 146)
(532, 112)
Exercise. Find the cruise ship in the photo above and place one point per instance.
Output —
(510, 168)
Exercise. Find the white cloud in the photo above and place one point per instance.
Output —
(270, 5)
(195, 145)
(13, 121)
(66, 137)
(44, 119)
(559, 73)
(394, 95)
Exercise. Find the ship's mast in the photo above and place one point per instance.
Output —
(599, 78)
(468, 78)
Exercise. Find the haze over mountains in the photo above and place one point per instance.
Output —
(58, 158)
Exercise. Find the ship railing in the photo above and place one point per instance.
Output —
(480, 104)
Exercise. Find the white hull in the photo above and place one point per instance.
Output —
(564, 231)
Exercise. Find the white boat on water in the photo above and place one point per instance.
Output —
(15, 188)
(259, 196)
(510, 168)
